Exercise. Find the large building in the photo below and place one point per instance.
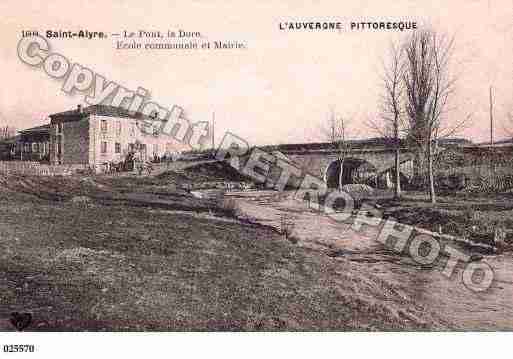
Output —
(34, 144)
(31, 144)
(97, 135)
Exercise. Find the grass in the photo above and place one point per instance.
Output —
(121, 265)
(471, 216)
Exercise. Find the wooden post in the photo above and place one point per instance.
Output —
(213, 124)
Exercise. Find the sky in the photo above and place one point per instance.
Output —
(283, 85)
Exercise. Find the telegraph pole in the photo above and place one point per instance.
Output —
(491, 117)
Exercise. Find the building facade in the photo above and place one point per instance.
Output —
(99, 135)
(32, 144)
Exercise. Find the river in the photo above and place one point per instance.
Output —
(464, 309)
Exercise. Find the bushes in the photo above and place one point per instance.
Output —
(453, 181)
(472, 183)
(444, 181)
(484, 227)
(491, 183)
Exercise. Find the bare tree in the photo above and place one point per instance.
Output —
(429, 85)
(7, 132)
(391, 109)
(335, 132)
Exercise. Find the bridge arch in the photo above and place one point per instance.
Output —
(354, 170)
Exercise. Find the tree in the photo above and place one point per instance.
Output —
(335, 132)
(7, 132)
(391, 109)
(429, 85)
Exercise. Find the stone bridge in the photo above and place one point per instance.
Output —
(372, 161)
(359, 165)
(366, 161)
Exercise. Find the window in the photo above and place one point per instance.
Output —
(104, 147)
(131, 147)
(143, 151)
(118, 128)
(26, 147)
(59, 127)
(117, 147)
(156, 149)
(103, 125)
(35, 147)
(132, 130)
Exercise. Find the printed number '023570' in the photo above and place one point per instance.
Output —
(18, 348)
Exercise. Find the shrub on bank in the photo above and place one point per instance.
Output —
(491, 183)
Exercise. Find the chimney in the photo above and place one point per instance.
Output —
(79, 108)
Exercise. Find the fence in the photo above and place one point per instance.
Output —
(37, 169)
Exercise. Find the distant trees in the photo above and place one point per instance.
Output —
(7, 132)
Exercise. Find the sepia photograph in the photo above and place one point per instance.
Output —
(331, 168)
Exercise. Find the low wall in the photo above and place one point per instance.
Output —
(37, 169)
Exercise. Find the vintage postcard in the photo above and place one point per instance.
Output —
(222, 166)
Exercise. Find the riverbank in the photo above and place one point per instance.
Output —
(476, 217)
(427, 286)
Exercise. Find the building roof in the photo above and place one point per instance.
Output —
(500, 143)
(455, 141)
(10, 140)
(100, 110)
(38, 129)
